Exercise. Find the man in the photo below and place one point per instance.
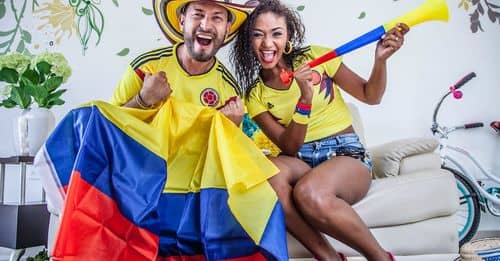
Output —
(188, 70)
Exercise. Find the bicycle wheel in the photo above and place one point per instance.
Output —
(469, 212)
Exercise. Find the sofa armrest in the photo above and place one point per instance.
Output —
(403, 156)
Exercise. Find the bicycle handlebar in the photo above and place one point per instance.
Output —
(457, 85)
(473, 125)
(464, 80)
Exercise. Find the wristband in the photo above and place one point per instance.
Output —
(141, 103)
(304, 109)
(303, 106)
(302, 113)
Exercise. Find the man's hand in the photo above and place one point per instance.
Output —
(234, 111)
(155, 88)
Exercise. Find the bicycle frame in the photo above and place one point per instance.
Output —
(472, 178)
(442, 132)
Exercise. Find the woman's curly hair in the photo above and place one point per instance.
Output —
(242, 55)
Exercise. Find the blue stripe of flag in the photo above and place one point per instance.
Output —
(112, 162)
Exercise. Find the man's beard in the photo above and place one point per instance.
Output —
(201, 56)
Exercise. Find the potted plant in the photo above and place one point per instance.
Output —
(32, 80)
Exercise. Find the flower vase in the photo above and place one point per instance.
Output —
(31, 129)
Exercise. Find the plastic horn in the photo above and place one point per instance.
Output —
(428, 11)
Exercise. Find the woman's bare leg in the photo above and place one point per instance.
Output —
(324, 197)
(291, 170)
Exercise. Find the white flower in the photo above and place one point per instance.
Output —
(16, 61)
(59, 64)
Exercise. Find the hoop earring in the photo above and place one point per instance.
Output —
(290, 48)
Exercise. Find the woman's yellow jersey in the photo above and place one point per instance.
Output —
(329, 113)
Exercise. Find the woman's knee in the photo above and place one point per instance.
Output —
(309, 197)
(281, 185)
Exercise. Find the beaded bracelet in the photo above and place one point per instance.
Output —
(141, 103)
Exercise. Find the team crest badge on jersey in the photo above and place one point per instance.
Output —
(316, 77)
(209, 97)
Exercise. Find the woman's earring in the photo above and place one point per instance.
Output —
(289, 46)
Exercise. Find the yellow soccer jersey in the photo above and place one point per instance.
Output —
(329, 113)
(210, 89)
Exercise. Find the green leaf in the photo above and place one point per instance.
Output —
(20, 47)
(2, 10)
(115, 2)
(54, 102)
(147, 11)
(39, 93)
(9, 75)
(32, 76)
(26, 36)
(35, 4)
(84, 30)
(123, 52)
(52, 83)
(56, 94)
(20, 97)
(362, 15)
(8, 103)
(43, 67)
(96, 22)
(5, 33)
(300, 8)
(54, 99)
(27, 52)
(2, 45)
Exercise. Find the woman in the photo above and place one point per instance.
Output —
(323, 166)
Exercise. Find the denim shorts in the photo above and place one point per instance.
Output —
(315, 152)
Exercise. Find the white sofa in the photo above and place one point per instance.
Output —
(411, 214)
(410, 205)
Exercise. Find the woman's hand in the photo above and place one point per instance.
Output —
(155, 88)
(391, 42)
(303, 76)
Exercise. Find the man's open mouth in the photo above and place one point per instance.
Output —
(204, 40)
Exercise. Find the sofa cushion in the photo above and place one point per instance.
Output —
(403, 211)
(409, 198)
(419, 162)
(387, 157)
(415, 239)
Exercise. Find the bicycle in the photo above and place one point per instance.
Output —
(474, 197)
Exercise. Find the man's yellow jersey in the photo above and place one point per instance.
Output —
(211, 89)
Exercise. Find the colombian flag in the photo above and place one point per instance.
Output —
(180, 182)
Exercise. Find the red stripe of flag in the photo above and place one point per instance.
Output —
(254, 257)
(92, 228)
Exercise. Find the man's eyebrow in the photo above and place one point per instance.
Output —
(203, 11)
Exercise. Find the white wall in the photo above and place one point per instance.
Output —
(434, 56)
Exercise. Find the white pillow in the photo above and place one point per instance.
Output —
(387, 157)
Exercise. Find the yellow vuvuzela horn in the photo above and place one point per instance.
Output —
(431, 10)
